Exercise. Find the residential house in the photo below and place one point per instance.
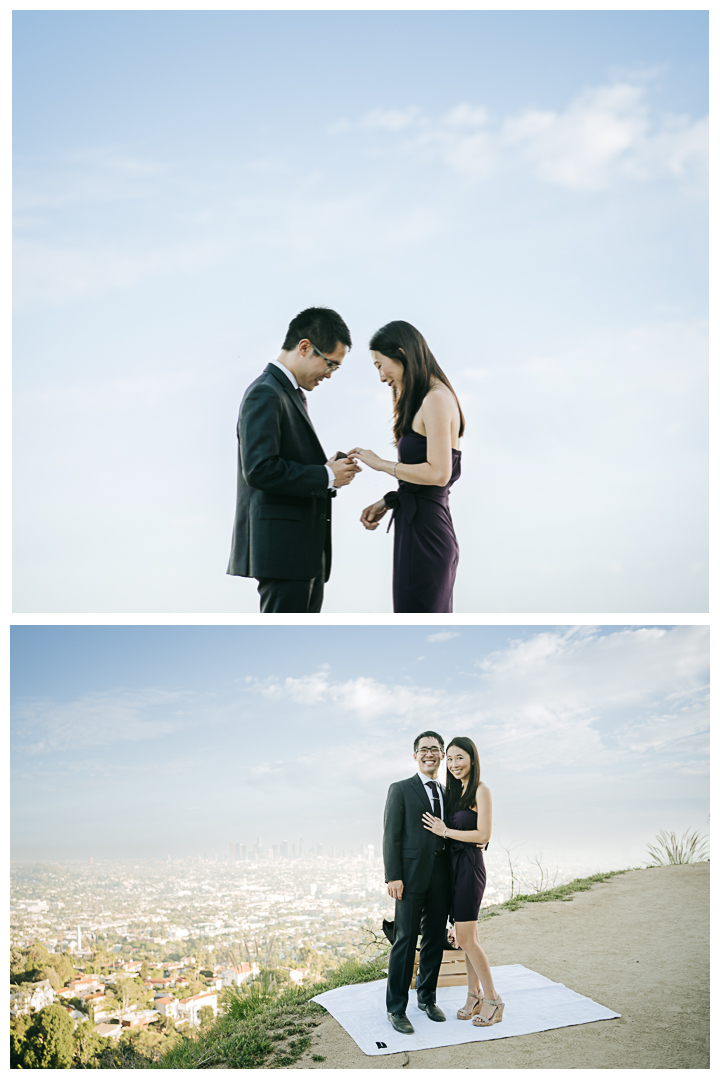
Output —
(140, 1018)
(30, 996)
(83, 984)
(232, 974)
(109, 1031)
(188, 1008)
(167, 1005)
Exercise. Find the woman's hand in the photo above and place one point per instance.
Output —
(371, 460)
(371, 515)
(452, 936)
(434, 824)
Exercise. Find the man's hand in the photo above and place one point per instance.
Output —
(344, 469)
(395, 889)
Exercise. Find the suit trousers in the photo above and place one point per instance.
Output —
(287, 595)
(425, 913)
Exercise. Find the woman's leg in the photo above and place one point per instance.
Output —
(476, 960)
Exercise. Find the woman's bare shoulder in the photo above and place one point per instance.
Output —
(439, 394)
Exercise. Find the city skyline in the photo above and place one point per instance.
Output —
(184, 739)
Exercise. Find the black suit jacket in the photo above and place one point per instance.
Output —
(282, 515)
(408, 847)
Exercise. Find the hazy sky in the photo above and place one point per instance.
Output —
(148, 741)
(528, 188)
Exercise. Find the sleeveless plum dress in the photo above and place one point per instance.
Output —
(425, 550)
(468, 870)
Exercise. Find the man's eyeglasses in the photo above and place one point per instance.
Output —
(432, 751)
(332, 365)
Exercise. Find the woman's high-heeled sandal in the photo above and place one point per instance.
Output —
(463, 1014)
(495, 1016)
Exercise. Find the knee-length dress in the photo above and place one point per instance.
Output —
(468, 870)
(425, 551)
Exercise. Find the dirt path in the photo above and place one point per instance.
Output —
(638, 943)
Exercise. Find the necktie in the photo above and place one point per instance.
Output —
(439, 843)
(303, 397)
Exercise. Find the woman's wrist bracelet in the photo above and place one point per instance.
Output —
(394, 468)
(445, 833)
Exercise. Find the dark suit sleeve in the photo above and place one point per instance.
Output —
(393, 832)
(260, 440)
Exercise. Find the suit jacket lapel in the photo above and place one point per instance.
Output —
(293, 395)
(419, 789)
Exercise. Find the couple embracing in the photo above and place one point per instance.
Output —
(286, 482)
(433, 840)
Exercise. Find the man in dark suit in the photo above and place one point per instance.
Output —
(418, 878)
(285, 481)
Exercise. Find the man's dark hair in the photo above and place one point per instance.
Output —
(428, 735)
(322, 326)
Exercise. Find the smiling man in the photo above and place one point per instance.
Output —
(282, 533)
(418, 879)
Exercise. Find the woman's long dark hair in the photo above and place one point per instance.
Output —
(402, 342)
(456, 799)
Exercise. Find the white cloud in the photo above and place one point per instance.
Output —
(603, 134)
(577, 148)
(564, 698)
(364, 696)
(443, 635)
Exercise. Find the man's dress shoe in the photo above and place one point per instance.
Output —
(401, 1023)
(434, 1012)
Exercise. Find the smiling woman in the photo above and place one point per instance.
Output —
(428, 426)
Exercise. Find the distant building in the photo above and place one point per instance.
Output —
(167, 1006)
(30, 997)
(109, 1031)
(234, 975)
(141, 1018)
(188, 1008)
(83, 984)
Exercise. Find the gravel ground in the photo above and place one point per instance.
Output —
(638, 943)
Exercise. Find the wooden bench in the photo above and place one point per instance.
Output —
(452, 969)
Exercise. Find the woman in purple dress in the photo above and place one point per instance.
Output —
(428, 426)
(468, 825)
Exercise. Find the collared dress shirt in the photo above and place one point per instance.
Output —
(288, 374)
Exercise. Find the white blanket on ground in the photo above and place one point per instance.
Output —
(532, 1003)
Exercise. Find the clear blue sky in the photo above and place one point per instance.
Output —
(528, 188)
(147, 741)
